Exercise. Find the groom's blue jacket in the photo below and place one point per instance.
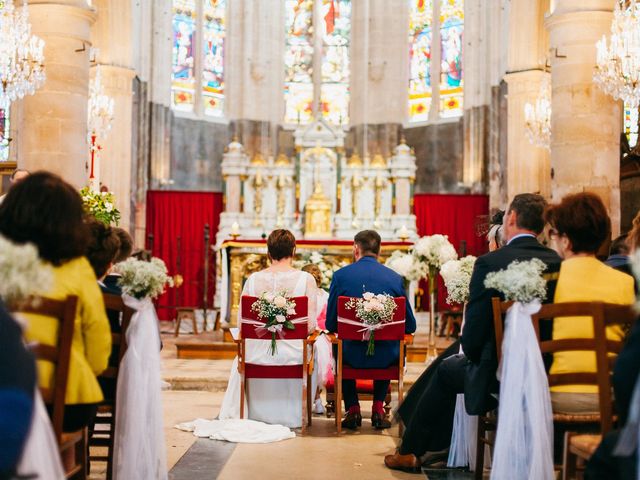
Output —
(367, 275)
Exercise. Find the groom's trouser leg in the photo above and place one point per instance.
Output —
(380, 389)
(349, 394)
(432, 423)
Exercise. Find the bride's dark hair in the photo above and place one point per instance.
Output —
(281, 244)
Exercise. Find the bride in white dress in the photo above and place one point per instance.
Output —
(273, 401)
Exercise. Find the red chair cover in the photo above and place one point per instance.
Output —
(249, 330)
(393, 331)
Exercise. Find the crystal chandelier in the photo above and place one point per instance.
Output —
(617, 70)
(100, 108)
(537, 118)
(21, 54)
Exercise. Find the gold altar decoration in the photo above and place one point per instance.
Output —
(282, 183)
(354, 160)
(356, 185)
(378, 161)
(282, 160)
(318, 214)
(258, 185)
(247, 257)
(379, 186)
(258, 159)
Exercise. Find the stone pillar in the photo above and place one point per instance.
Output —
(586, 123)
(112, 35)
(53, 124)
(528, 168)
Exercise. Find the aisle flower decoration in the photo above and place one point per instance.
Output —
(141, 279)
(275, 309)
(374, 311)
(101, 205)
(457, 276)
(521, 281)
(407, 266)
(23, 273)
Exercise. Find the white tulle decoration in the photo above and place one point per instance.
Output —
(524, 439)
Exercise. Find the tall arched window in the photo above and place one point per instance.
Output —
(4, 134)
(197, 75)
(324, 50)
(436, 30)
(631, 124)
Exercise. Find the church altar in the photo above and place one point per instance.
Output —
(319, 193)
(237, 259)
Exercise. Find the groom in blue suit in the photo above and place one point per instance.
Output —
(366, 275)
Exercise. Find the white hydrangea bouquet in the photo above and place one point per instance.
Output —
(23, 273)
(327, 268)
(407, 266)
(142, 279)
(374, 311)
(457, 276)
(101, 205)
(434, 251)
(273, 309)
(521, 281)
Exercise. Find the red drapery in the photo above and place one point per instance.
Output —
(175, 232)
(456, 216)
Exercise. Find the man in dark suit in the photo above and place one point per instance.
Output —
(366, 275)
(474, 372)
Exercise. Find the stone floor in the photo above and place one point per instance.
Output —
(195, 390)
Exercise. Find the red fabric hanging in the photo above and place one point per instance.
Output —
(177, 220)
(457, 217)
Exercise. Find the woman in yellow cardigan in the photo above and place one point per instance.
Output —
(44, 210)
(579, 227)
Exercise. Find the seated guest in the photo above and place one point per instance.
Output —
(473, 372)
(619, 255)
(579, 227)
(17, 175)
(124, 252)
(366, 274)
(17, 384)
(45, 210)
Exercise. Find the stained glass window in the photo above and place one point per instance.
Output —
(4, 135)
(631, 124)
(425, 32)
(420, 38)
(183, 68)
(451, 29)
(334, 31)
(298, 61)
(198, 51)
(334, 93)
(213, 66)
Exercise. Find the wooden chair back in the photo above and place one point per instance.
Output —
(59, 354)
(392, 331)
(250, 330)
(602, 315)
(114, 303)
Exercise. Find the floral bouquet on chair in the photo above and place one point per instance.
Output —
(273, 309)
(521, 281)
(142, 279)
(374, 311)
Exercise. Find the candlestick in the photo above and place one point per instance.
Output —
(403, 233)
(235, 230)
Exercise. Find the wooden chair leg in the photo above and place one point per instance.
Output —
(310, 395)
(305, 388)
(338, 390)
(242, 387)
(178, 322)
(569, 460)
(195, 324)
(481, 432)
(110, 449)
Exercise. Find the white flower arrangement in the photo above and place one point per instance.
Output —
(521, 281)
(100, 205)
(434, 251)
(23, 273)
(373, 310)
(326, 268)
(274, 309)
(457, 276)
(142, 279)
(407, 266)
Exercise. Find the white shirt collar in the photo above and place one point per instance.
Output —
(521, 235)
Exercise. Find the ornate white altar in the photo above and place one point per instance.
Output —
(320, 193)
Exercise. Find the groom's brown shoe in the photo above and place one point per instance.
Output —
(352, 420)
(379, 422)
(407, 463)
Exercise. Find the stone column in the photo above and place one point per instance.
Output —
(112, 36)
(53, 124)
(586, 123)
(528, 168)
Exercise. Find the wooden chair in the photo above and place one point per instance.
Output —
(392, 332)
(185, 313)
(59, 355)
(250, 370)
(102, 433)
(602, 315)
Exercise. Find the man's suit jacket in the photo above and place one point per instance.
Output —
(478, 334)
(367, 275)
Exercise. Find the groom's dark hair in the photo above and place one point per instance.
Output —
(368, 241)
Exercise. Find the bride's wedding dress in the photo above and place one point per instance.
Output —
(277, 402)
